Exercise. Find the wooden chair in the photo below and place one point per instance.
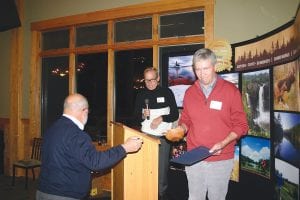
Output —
(31, 163)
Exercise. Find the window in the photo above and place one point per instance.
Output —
(91, 35)
(91, 82)
(55, 88)
(182, 24)
(116, 45)
(129, 69)
(55, 39)
(131, 30)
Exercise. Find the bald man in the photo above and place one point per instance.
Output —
(68, 155)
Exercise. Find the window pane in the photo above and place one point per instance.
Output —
(55, 39)
(91, 76)
(129, 70)
(91, 35)
(55, 84)
(182, 24)
(131, 30)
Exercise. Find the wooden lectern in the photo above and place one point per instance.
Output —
(136, 177)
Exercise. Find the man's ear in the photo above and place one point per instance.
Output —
(158, 78)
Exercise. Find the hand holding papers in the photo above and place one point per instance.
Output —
(162, 127)
(193, 156)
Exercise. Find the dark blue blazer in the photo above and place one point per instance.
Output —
(68, 157)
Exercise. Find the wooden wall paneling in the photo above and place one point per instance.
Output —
(110, 93)
(4, 126)
(15, 137)
(110, 79)
(35, 86)
(4, 122)
(72, 62)
(209, 21)
(155, 37)
(155, 27)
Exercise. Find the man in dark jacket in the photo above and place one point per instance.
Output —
(156, 110)
(68, 155)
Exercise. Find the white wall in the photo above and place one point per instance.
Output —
(241, 20)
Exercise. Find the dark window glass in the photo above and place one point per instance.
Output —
(55, 88)
(183, 24)
(91, 79)
(129, 70)
(91, 35)
(55, 39)
(131, 30)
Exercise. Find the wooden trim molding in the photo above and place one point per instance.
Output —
(158, 7)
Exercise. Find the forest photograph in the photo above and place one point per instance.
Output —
(287, 180)
(256, 101)
(287, 137)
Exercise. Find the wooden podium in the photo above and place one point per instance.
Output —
(136, 177)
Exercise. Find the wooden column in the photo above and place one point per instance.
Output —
(15, 141)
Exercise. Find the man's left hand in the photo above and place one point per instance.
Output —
(216, 149)
(155, 123)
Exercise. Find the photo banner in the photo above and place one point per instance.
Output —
(278, 48)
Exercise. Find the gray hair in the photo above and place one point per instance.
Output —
(151, 69)
(204, 54)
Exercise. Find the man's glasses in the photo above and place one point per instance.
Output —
(150, 80)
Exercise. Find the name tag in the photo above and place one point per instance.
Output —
(217, 105)
(160, 99)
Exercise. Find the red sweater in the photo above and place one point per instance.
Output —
(210, 120)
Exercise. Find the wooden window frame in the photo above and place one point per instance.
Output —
(109, 17)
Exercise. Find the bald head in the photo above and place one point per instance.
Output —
(77, 106)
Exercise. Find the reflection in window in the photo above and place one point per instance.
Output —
(55, 39)
(129, 70)
(55, 84)
(174, 51)
(91, 35)
(91, 79)
(132, 30)
(182, 24)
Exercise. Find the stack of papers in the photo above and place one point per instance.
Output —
(193, 156)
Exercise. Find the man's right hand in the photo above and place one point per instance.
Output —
(132, 144)
(175, 134)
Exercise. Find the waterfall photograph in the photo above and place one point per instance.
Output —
(256, 101)
(287, 137)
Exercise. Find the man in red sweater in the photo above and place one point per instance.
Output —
(213, 117)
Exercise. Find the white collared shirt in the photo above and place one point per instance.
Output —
(76, 121)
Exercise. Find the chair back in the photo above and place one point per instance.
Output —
(36, 149)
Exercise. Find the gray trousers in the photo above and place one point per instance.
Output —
(163, 166)
(44, 196)
(209, 177)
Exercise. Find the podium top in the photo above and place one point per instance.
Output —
(142, 135)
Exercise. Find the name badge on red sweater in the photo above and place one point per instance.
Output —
(217, 105)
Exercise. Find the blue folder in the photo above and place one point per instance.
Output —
(193, 156)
